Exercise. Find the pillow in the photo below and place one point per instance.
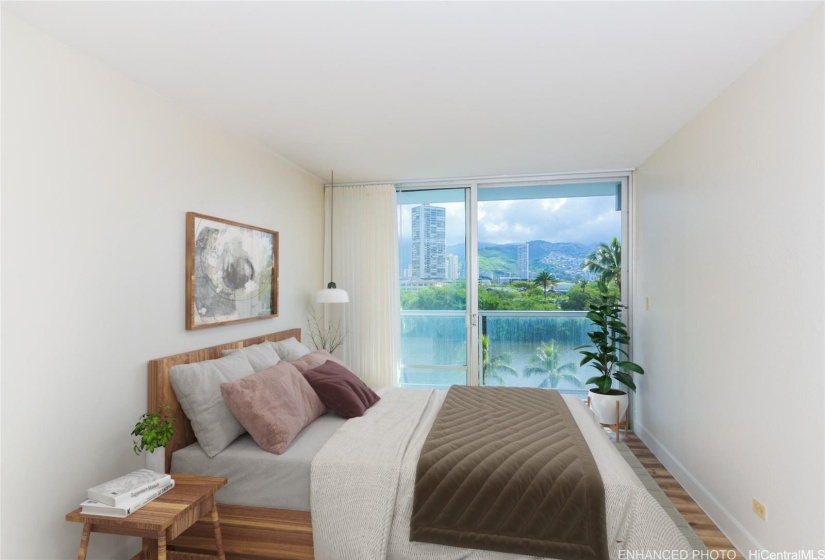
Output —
(341, 390)
(313, 360)
(198, 388)
(260, 356)
(290, 349)
(273, 405)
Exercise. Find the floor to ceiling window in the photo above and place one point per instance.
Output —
(432, 247)
(495, 280)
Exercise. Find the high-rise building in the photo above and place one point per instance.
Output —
(452, 268)
(429, 242)
(523, 261)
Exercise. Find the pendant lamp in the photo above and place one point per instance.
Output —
(331, 294)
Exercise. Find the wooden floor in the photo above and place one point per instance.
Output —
(693, 514)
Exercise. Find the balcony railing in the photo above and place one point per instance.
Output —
(518, 349)
(433, 348)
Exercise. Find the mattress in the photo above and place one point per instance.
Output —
(257, 477)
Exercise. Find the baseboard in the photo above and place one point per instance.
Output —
(733, 530)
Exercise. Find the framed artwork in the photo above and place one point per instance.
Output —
(231, 272)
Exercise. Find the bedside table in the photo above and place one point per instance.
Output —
(161, 520)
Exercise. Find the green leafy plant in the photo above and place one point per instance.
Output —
(606, 353)
(606, 262)
(154, 430)
(545, 280)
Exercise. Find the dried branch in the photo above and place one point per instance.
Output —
(327, 338)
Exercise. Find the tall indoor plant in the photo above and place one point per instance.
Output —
(608, 357)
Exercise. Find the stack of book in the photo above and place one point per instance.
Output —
(125, 495)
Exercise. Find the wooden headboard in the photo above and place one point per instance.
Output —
(160, 386)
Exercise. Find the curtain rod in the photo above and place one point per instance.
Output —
(494, 178)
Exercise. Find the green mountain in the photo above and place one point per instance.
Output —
(562, 260)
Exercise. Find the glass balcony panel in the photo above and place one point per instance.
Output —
(433, 338)
(435, 378)
(527, 350)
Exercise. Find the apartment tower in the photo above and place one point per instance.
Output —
(429, 242)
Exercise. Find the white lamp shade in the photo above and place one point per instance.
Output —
(332, 295)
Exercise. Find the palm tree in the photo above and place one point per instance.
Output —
(545, 280)
(492, 368)
(606, 262)
(546, 362)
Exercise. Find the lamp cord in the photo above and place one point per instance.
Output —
(331, 226)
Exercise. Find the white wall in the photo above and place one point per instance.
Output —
(97, 175)
(730, 252)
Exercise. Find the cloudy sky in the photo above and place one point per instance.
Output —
(591, 219)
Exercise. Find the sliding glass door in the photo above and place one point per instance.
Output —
(534, 282)
(495, 280)
(432, 227)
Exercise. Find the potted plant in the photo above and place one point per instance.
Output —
(609, 358)
(154, 431)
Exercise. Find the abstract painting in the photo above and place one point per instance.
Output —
(231, 272)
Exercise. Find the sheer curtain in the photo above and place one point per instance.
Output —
(365, 264)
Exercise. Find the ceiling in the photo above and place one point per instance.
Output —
(398, 90)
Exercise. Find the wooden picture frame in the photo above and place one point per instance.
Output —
(231, 272)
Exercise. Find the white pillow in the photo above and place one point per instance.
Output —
(198, 388)
(260, 356)
(290, 349)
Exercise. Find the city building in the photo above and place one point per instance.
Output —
(452, 267)
(523, 261)
(429, 242)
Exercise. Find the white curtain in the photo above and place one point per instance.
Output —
(365, 264)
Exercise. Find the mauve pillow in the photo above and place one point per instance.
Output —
(340, 389)
(313, 360)
(273, 405)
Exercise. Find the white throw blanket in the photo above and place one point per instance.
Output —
(363, 480)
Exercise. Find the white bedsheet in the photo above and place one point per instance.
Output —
(363, 479)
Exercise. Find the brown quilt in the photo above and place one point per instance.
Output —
(507, 469)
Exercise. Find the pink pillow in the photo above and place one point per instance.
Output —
(313, 360)
(273, 405)
(341, 390)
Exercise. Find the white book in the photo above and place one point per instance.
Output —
(96, 508)
(128, 487)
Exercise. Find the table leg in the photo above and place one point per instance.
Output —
(216, 524)
(162, 547)
(149, 549)
(84, 541)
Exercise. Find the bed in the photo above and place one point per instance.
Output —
(634, 519)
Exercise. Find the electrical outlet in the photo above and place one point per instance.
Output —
(647, 304)
(760, 510)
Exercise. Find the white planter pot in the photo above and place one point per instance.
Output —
(156, 460)
(605, 405)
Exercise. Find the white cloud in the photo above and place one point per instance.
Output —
(572, 220)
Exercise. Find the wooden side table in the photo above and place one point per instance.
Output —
(161, 520)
